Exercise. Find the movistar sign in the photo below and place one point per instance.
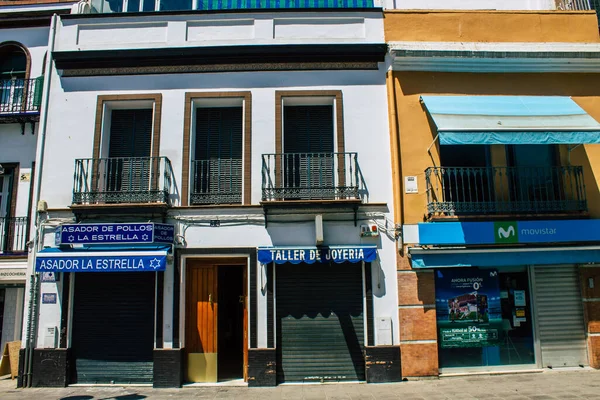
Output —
(509, 232)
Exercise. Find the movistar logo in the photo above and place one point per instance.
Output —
(506, 232)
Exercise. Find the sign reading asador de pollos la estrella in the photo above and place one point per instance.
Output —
(126, 233)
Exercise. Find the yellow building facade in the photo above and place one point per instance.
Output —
(470, 299)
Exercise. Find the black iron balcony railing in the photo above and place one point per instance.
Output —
(311, 176)
(13, 235)
(18, 96)
(122, 180)
(217, 181)
(505, 190)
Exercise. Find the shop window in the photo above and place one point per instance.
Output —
(484, 317)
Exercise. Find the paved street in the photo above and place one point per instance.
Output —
(580, 384)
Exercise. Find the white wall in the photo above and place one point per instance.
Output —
(471, 4)
(126, 32)
(72, 112)
(14, 146)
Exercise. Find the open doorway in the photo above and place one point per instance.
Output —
(230, 325)
(216, 320)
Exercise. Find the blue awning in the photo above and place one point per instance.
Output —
(444, 258)
(103, 259)
(310, 255)
(511, 120)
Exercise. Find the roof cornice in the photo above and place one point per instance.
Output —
(495, 57)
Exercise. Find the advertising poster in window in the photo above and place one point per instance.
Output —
(468, 307)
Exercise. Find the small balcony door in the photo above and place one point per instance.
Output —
(217, 165)
(466, 179)
(534, 180)
(129, 166)
(308, 146)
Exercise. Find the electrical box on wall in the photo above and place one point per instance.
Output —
(370, 230)
(384, 331)
(50, 337)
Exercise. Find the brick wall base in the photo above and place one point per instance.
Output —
(383, 364)
(51, 367)
(262, 367)
(419, 359)
(168, 368)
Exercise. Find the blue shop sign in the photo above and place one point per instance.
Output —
(509, 232)
(133, 261)
(129, 233)
(310, 255)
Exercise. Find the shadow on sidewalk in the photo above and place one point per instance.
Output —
(122, 397)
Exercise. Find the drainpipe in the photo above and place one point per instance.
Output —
(32, 318)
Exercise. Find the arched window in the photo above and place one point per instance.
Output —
(13, 61)
(16, 91)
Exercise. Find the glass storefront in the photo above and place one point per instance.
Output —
(484, 317)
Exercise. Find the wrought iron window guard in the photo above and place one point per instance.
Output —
(216, 181)
(13, 235)
(505, 190)
(122, 180)
(311, 176)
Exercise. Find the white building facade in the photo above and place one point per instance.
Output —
(261, 138)
(23, 43)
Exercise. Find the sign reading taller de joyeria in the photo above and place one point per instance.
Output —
(129, 233)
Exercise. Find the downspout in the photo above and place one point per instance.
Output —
(33, 308)
(398, 186)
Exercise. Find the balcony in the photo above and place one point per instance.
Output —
(20, 100)
(216, 181)
(13, 235)
(575, 5)
(123, 180)
(311, 176)
(455, 191)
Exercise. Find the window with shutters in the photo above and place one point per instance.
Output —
(129, 147)
(217, 168)
(309, 155)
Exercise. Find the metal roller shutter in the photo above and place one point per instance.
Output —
(320, 325)
(559, 314)
(113, 327)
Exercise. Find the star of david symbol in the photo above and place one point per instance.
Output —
(144, 237)
(71, 238)
(155, 263)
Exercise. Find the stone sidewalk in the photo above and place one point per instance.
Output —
(576, 384)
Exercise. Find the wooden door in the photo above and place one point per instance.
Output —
(201, 323)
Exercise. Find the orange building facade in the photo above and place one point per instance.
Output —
(484, 142)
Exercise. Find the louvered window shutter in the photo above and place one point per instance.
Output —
(129, 150)
(217, 176)
(309, 147)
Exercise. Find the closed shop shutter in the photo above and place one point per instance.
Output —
(113, 327)
(320, 326)
(559, 314)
